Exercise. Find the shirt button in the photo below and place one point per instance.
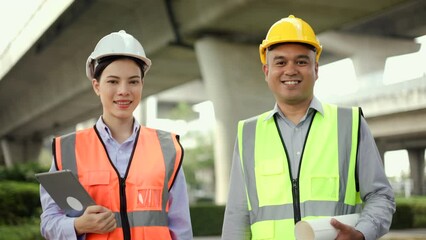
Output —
(298, 153)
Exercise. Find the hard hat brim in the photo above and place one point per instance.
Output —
(90, 63)
(263, 47)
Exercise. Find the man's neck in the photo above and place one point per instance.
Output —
(294, 112)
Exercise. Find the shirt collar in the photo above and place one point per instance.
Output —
(315, 105)
(105, 132)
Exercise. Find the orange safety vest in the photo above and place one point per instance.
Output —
(140, 199)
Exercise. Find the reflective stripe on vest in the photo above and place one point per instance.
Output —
(326, 185)
(155, 160)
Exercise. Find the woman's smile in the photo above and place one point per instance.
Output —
(124, 104)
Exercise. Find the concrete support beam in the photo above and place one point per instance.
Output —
(409, 123)
(360, 47)
(65, 96)
(235, 84)
(40, 21)
(416, 156)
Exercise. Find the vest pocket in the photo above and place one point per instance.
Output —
(98, 186)
(149, 198)
(324, 188)
(263, 230)
(271, 175)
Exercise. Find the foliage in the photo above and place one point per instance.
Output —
(410, 213)
(196, 159)
(198, 162)
(207, 219)
(182, 111)
(411, 200)
(403, 217)
(19, 201)
(22, 171)
(25, 231)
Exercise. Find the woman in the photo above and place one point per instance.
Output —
(132, 172)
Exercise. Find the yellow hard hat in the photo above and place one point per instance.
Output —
(290, 29)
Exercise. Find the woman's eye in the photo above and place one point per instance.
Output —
(111, 81)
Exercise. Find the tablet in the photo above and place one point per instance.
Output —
(65, 189)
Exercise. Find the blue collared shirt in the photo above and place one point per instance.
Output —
(294, 136)
(55, 225)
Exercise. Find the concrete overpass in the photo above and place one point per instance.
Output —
(45, 91)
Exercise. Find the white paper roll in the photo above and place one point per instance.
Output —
(320, 228)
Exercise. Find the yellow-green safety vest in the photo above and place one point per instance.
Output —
(326, 184)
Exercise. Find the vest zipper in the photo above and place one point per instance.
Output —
(296, 200)
(123, 210)
(122, 188)
(295, 181)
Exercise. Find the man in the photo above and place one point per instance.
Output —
(304, 159)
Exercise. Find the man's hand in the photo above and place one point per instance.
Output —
(95, 219)
(346, 232)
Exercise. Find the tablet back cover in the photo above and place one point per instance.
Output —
(65, 189)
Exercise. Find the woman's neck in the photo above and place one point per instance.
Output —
(121, 129)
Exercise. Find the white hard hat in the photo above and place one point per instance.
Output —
(116, 44)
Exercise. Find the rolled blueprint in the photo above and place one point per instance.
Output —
(321, 229)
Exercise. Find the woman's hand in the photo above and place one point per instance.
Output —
(95, 219)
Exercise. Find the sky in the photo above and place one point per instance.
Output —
(17, 16)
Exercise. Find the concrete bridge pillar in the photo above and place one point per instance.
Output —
(235, 84)
(5, 156)
(416, 157)
(19, 151)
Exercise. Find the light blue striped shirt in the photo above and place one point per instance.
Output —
(55, 225)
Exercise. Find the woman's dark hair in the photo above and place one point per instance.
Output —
(105, 61)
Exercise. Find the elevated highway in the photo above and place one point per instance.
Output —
(45, 91)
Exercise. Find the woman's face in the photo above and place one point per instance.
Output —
(120, 89)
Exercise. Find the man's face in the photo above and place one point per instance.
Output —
(291, 72)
